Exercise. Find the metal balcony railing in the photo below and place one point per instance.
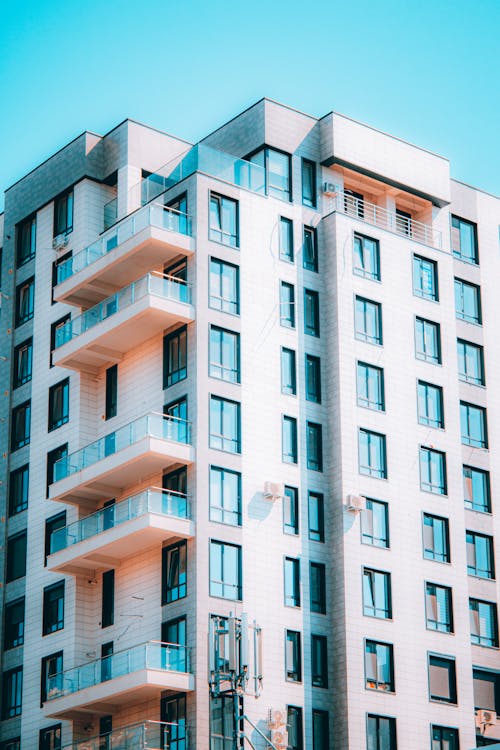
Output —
(149, 735)
(381, 217)
(157, 284)
(153, 215)
(162, 426)
(153, 500)
(168, 657)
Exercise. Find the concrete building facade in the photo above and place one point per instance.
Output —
(249, 376)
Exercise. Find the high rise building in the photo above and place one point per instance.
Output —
(249, 384)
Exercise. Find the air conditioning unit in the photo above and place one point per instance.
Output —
(276, 719)
(60, 242)
(485, 717)
(274, 490)
(279, 738)
(330, 189)
(356, 503)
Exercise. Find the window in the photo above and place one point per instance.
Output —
(16, 556)
(26, 241)
(50, 738)
(292, 582)
(291, 511)
(288, 372)
(319, 661)
(173, 712)
(224, 287)
(175, 481)
(12, 693)
(436, 538)
(14, 624)
(430, 404)
(225, 496)
(473, 425)
(21, 426)
(372, 454)
(58, 404)
(467, 302)
(380, 732)
(403, 222)
(175, 425)
(483, 623)
(444, 738)
(223, 220)
(375, 524)
(61, 260)
(175, 357)
(311, 312)
(23, 363)
(313, 379)
(321, 730)
(442, 679)
(316, 517)
(480, 561)
(55, 327)
(286, 239)
(287, 305)
(427, 341)
(314, 441)
(293, 656)
(425, 278)
(225, 426)
(51, 682)
(276, 167)
(317, 586)
(289, 449)
(464, 240)
(486, 689)
(18, 490)
(366, 261)
(174, 572)
(438, 608)
(433, 471)
(354, 203)
(225, 570)
(53, 457)
(476, 489)
(53, 608)
(379, 666)
(52, 524)
(222, 724)
(63, 213)
(470, 362)
(370, 386)
(111, 391)
(310, 249)
(368, 321)
(295, 731)
(308, 183)
(108, 599)
(14, 744)
(25, 301)
(224, 355)
(377, 600)
(174, 631)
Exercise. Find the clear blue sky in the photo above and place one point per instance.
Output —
(427, 72)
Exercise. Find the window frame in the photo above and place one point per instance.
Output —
(310, 261)
(487, 489)
(366, 403)
(213, 366)
(175, 374)
(222, 471)
(19, 379)
(363, 335)
(468, 438)
(426, 419)
(359, 241)
(319, 533)
(475, 571)
(219, 437)
(293, 456)
(446, 555)
(441, 625)
(28, 223)
(238, 586)
(29, 286)
(22, 471)
(462, 374)
(461, 310)
(423, 356)
(223, 302)
(387, 608)
(232, 237)
(308, 199)
(434, 296)
(377, 473)
(291, 674)
(442, 488)
(365, 536)
(56, 420)
(457, 253)
(64, 202)
(179, 570)
(390, 650)
(441, 660)
(49, 624)
(11, 640)
(288, 321)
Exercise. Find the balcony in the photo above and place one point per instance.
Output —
(135, 675)
(149, 735)
(102, 540)
(131, 454)
(150, 237)
(380, 217)
(103, 334)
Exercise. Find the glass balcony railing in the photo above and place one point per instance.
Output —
(157, 284)
(162, 426)
(153, 215)
(154, 500)
(150, 735)
(169, 657)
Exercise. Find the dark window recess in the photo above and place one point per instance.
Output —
(313, 378)
(12, 693)
(108, 599)
(107, 650)
(55, 265)
(321, 729)
(317, 585)
(56, 326)
(316, 517)
(51, 675)
(176, 481)
(291, 511)
(58, 404)
(25, 301)
(18, 490)
(26, 241)
(16, 556)
(174, 572)
(442, 679)
(173, 713)
(52, 524)
(293, 656)
(23, 363)
(20, 426)
(111, 391)
(53, 608)
(319, 661)
(314, 440)
(52, 457)
(311, 312)
(50, 738)
(308, 183)
(175, 357)
(14, 624)
(310, 249)
(63, 213)
(295, 728)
